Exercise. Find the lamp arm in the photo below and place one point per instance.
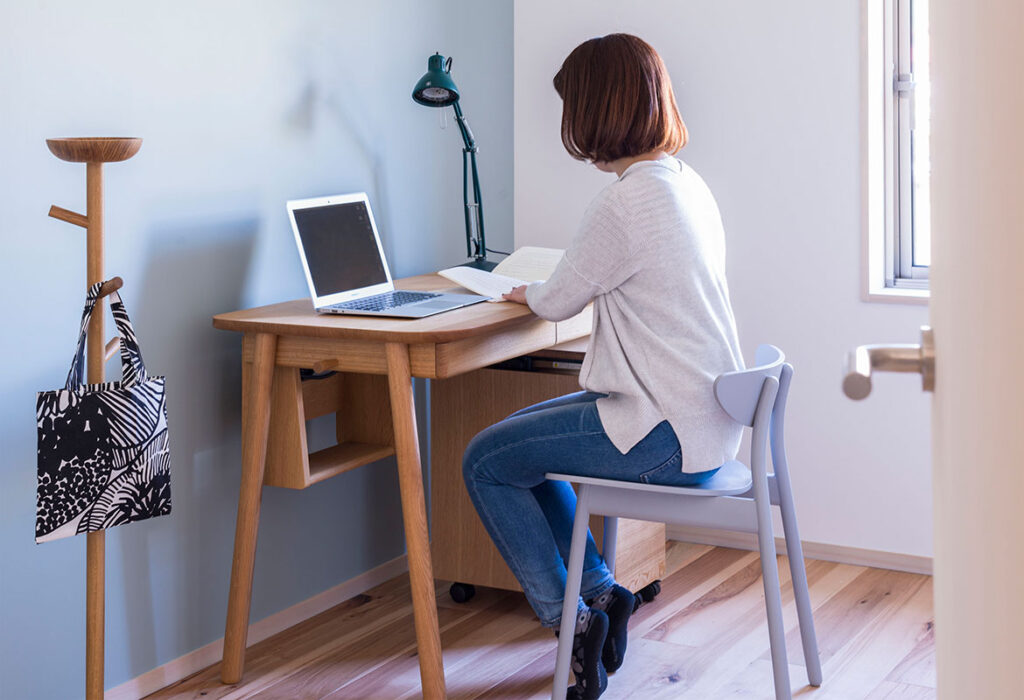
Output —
(467, 210)
(467, 133)
(476, 246)
(481, 251)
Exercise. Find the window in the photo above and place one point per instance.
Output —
(897, 141)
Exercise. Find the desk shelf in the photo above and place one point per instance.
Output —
(338, 459)
(363, 426)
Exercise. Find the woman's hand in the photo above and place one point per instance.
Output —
(517, 295)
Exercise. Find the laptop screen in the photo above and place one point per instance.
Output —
(341, 250)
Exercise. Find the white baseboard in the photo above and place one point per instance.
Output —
(812, 550)
(184, 666)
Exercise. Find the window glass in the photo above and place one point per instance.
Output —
(920, 115)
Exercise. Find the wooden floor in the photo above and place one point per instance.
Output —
(705, 637)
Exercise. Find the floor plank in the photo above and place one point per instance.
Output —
(725, 657)
(891, 634)
(918, 668)
(704, 637)
(888, 690)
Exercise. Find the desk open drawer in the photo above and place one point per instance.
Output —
(364, 432)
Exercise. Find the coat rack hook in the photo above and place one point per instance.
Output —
(112, 346)
(110, 286)
(72, 217)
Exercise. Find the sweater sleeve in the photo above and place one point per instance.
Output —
(598, 260)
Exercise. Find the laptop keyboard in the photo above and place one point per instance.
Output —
(382, 302)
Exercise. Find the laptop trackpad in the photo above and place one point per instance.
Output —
(434, 305)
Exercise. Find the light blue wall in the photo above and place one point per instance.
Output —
(242, 105)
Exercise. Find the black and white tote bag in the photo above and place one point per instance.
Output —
(103, 458)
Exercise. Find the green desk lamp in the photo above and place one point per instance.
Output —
(437, 89)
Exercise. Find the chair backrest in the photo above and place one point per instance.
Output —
(738, 392)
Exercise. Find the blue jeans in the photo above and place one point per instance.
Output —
(530, 518)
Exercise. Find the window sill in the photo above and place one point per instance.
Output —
(895, 295)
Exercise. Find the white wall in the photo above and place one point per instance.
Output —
(771, 95)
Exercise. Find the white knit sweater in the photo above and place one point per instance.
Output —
(650, 253)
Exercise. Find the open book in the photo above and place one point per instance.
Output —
(528, 264)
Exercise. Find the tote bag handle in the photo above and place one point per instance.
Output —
(133, 370)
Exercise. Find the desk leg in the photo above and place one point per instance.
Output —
(256, 384)
(414, 514)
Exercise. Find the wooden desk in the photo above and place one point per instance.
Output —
(281, 338)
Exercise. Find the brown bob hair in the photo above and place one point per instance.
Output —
(617, 101)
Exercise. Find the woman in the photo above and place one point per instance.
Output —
(650, 255)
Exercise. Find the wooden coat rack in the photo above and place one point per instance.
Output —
(94, 152)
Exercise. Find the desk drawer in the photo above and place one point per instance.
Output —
(542, 364)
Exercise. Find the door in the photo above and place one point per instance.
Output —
(978, 316)
(977, 313)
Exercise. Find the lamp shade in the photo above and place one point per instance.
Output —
(436, 88)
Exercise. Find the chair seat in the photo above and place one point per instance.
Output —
(732, 479)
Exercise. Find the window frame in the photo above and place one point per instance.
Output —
(888, 195)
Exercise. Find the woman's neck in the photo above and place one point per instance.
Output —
(619, 166)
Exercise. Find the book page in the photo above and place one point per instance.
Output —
(481, 282)
(530, 263)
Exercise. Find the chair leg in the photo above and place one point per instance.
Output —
(574, 574)
(801, 594)
(611, 531)
(773, 599)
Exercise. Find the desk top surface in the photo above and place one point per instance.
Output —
(299, 318)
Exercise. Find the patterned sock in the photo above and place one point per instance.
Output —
(591, 679)
(617, 603)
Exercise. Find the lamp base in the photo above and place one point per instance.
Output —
(480, 264)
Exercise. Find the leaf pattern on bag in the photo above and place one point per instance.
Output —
(117, 505)
(74, 461)
(140, 498)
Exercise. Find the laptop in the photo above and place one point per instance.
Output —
(345, 265)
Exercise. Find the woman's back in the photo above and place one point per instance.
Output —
(651, 252)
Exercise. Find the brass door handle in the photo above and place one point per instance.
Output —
(865, 359)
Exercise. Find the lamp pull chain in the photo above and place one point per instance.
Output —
(443, 118)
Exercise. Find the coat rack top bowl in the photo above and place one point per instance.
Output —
(94, 149)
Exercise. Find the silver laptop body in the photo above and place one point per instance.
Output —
(345, 265)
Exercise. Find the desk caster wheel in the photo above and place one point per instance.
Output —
(462, 592)
(646, 594)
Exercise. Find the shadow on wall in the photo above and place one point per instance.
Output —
(193, 270)
(314, 102)
(350, 124)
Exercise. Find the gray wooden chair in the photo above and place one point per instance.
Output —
(736, 498)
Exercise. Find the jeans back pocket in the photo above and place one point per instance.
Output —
(664, 471)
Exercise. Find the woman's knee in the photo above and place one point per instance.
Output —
(476, 451)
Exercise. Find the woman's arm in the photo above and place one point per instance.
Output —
(564, 295)
(598, 260)
(555, 301)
